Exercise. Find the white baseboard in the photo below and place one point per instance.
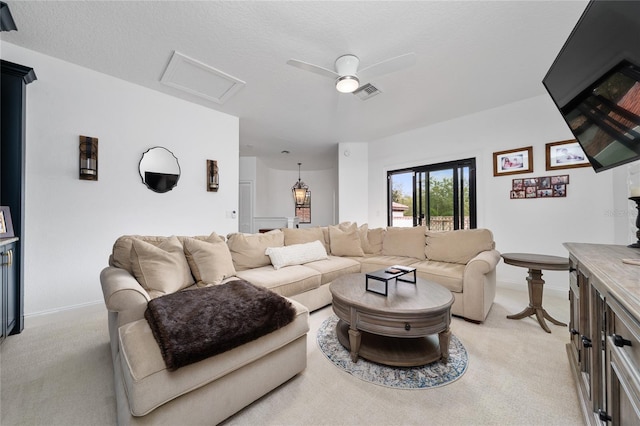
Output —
(63, 309)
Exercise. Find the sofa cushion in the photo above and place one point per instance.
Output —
(161, 269)
(121, 253)
(372, 263)
(408, 242)
(210, 261)
(325, 234)
(248, 250)
(374, 237)
(304, 235)
(334, 267)
(449, 275)
(286, 282)
(307, 235)
(345, 241)
(458, 246)
(363, 231)
(296, 254)
(149, 384)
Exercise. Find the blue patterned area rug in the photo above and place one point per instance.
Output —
(426, 376)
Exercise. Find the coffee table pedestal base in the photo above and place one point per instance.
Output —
(394, 351)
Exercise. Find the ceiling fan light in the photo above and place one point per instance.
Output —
(347, 84)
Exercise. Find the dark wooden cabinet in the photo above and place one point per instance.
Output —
(604, 347)
(9, 301)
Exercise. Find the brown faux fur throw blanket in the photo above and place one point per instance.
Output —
(192, 325)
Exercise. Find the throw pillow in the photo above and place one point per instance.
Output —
(363, 231)
(408, 242)
(325, 235)
(375, 237)
(303, 235)
(458, 246)
(213, 237)
(210, 260)
(296, 254)
(345, 242)
(121, 253)
(347, 226)
(248, 250)
(161, 269)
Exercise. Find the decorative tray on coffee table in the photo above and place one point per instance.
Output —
(390, 273)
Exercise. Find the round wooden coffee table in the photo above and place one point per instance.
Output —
(536, 263)
(408, 327)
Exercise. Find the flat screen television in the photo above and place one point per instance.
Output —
(595, 83)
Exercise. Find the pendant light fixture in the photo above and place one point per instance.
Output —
(300, 190)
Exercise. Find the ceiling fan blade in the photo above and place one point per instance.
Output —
(387, 66)
(313, 68)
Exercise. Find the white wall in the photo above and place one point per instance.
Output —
(353, 197)
(71, 224)
(274, 198)
(529, 225)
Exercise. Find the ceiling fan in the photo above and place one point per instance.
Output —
(347, 75)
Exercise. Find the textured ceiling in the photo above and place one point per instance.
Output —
(471, 56)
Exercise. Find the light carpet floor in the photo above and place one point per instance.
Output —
(58, 372)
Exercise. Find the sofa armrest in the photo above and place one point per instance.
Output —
(479, 285)
(123, 294)
(484, 262)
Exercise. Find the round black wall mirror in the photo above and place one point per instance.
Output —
(159, 169)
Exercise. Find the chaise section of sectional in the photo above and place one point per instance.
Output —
(206, 391)
(149, 385)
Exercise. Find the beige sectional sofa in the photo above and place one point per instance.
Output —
(298, 264)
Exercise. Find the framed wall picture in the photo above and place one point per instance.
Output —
(6, 225)
(565, 155)
(513, 161)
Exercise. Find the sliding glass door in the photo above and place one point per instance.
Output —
(401, 199)
(440, 196)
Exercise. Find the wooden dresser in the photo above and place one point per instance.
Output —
(604, 351)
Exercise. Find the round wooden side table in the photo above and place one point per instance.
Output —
(536, 263)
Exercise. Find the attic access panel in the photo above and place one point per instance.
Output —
(199, 79)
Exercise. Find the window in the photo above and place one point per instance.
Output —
(441, 196)
(304, 211)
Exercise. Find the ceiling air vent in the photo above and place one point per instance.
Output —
(366, 91)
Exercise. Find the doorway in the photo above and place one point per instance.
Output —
(245, 207)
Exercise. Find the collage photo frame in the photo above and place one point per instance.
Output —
(540, 187)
